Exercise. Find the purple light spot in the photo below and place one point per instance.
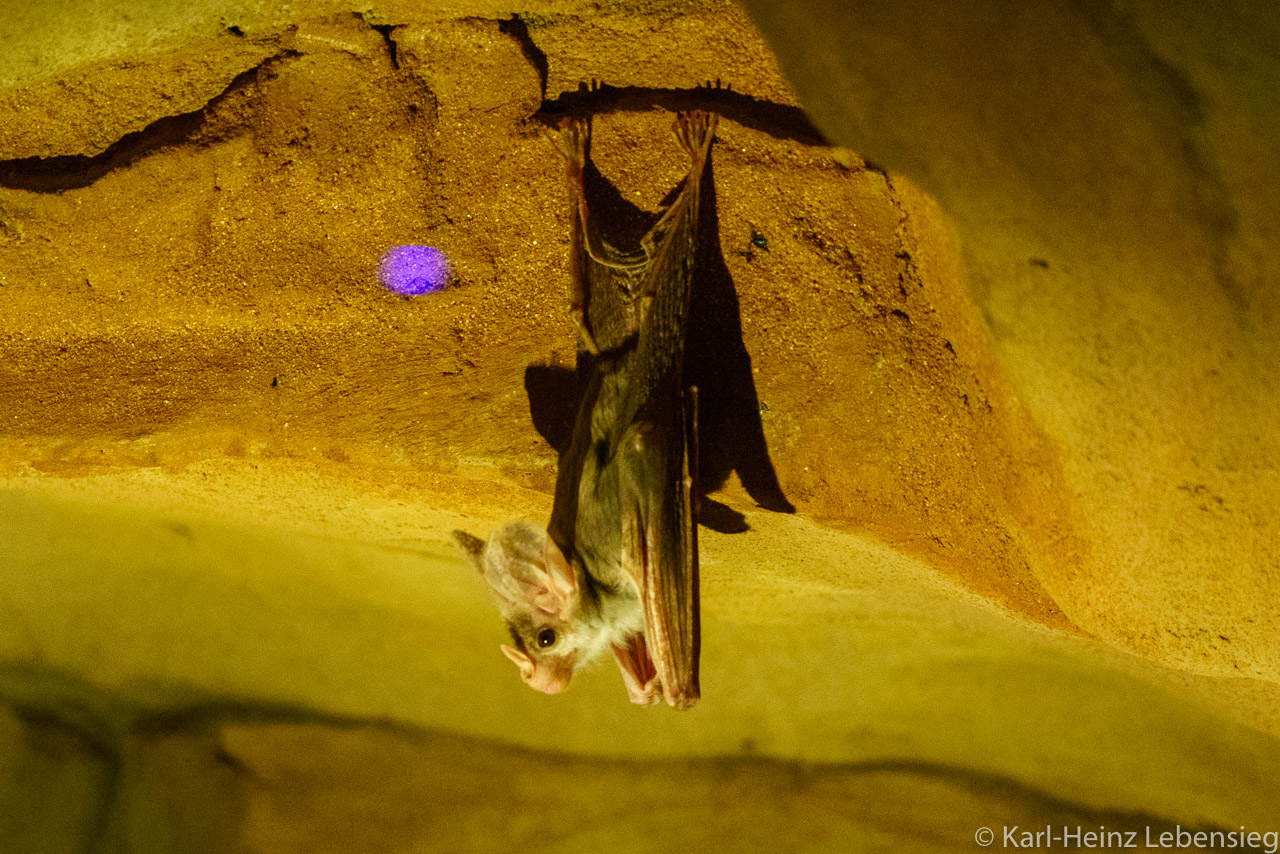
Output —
(413, 270)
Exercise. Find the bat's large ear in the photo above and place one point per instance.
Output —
(525, 570)
(473, 546)
(524, 662)
(561, 578)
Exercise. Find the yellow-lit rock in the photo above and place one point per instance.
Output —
(1016, 376)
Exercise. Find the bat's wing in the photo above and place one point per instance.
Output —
(658, 450)
(660, 548)
(666, 283)
(631, 310)
(638, 674)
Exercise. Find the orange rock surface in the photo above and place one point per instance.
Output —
(1006, 351)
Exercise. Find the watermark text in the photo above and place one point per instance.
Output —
(1077, 836)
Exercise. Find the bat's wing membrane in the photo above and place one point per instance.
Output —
(638, 675)
(660, 552)
(633, 308)
(658, 451)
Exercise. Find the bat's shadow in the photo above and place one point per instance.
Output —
(730, 433)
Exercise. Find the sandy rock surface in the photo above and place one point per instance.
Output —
(988, 426)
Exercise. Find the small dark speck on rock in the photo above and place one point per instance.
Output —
(1039, 262)
(226, 758)
(275, 381)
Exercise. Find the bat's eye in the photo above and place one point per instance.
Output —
(546, 638)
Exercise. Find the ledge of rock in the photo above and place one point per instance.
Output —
(988, 424)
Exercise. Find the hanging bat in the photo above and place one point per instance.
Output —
(617, 566)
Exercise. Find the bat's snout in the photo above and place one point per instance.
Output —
(549, 677)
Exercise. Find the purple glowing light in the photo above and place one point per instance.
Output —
(413, 270)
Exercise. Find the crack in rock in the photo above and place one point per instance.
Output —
(780, 121)
(74, 171)
(518, 28)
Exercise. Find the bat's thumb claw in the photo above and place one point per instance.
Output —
(682, 701)
(645, 696)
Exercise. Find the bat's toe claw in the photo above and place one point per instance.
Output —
(693, 129)
(573, 140)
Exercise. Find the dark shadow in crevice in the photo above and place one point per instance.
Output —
(517, 28)
(388, 33)
(730, 433)
(76, 171)
(781, 121)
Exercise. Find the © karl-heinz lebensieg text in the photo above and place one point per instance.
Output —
(1077, 836)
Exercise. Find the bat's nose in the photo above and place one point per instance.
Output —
(549, 679)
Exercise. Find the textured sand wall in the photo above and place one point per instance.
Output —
(1112, 170)
(1013, 378)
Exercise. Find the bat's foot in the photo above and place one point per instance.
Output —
(694, 131)
(573, 142)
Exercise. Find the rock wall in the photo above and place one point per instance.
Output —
(988, 416)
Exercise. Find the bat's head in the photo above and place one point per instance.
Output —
(538, 593)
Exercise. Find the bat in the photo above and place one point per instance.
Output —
(617, 566)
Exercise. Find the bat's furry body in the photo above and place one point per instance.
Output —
(619, 568)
